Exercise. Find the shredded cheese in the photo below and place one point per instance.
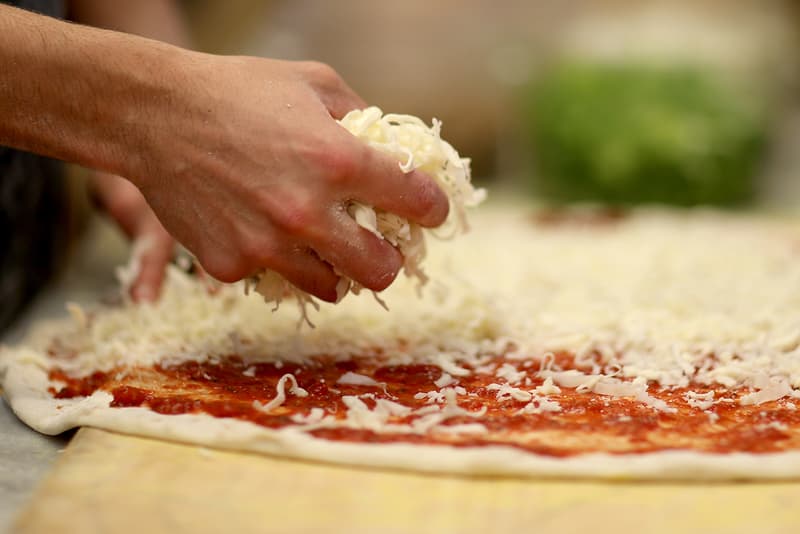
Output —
(444, 380)
(548, 387)
(703, 401)
(358, 380)
(387, 417)
(510, 374)
(661, 299)
(416, 146)
(769, 389)
(539, 405)
(507, 392)
(280, 396)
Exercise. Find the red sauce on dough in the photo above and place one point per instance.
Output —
(227, 387)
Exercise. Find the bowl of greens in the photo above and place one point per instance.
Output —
(627, 134)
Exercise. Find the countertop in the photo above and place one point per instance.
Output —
(25, 455)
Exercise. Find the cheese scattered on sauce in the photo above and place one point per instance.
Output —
(280, 396)
(660, 299)
(357, 380)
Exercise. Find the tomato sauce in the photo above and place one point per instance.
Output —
(228, 387)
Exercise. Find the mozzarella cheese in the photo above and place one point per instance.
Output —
(280, 394)
(357, 380)
(415, 146)
(661, 298)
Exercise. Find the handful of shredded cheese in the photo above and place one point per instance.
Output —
(416, 146)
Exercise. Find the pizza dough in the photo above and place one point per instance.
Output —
(658, 345)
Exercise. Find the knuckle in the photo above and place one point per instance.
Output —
(339, 164)
(256, 252)
(258, 247)
(322, 73)
(296, 217)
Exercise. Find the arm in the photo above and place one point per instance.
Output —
(240, 158)
(121, 200)
(58, 92)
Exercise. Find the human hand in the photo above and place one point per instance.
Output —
(123, 202)
(249, 170)
(240, 158)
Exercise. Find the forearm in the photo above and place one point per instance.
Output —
(240, 158)
(80, 94)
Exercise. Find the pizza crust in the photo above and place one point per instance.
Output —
(541, 306)
(25, 387)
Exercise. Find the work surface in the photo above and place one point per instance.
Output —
(25, 456)
(105, 482)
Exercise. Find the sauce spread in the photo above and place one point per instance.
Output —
(227, 387)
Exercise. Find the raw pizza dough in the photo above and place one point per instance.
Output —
(661, 345)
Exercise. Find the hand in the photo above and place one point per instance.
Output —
(249, 170)
(125, 204)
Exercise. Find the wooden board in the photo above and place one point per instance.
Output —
(106, 482)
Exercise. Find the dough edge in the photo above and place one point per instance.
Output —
(25, 387)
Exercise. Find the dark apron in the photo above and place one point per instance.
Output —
(32, 210)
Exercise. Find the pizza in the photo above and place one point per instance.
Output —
(652, 344)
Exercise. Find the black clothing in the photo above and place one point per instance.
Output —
(32, 206)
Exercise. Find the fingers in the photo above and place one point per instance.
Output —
(273, 249)
(359, 254)
(154, 260)
(413, 195)
(125, 204)
(379, 181)
(340, 103)
(332, 90)
(121, 200)
(304, 269)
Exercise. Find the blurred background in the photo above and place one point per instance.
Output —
(618, 101)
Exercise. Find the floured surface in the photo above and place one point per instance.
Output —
(111, 483)
(658, 345)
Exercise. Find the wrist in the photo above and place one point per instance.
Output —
(146, 110)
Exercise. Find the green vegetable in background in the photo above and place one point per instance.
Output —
(626, 134)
